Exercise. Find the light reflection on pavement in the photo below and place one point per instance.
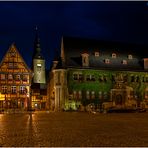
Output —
(73, 129)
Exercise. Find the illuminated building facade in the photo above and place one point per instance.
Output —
(110, 75)
(39, 90)
(15, 81)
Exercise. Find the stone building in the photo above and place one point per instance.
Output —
(15, 81)
(107, 74)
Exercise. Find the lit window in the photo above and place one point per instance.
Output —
(39, 66)
(10, 65)
(4, 89)
(130, 56)
(22, 89)
(3, 77)
(107, 61)
(96, 54)
(10, 77)
(113, 55)
(18, 77)
(12, 54)
(13, 89)
(124, 62)
(24, 77)
(15, 65)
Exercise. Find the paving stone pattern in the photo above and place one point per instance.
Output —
(71, 129)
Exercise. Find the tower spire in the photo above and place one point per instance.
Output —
(37, 48)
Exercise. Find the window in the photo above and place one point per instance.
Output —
(93, 94)
(130, 56)
(4, 89)
(80, 77)
(15, 65)
(137, 79)
(18, 77)
(87, 94)
(96, 54)
(105, 95)
(92, 78)
(3, 76)
(13, 89)
(146, 79)
(39, 66)
(24, 77)
(74, 94)
(107, 61)
(88, 77)
(85, 59)
(124, 62)
(132, 78)
(100, 95)
(146, 94)
(22, 89)
(12, 54)
(75, 76)
(114, 55)
(10, 65)
(80, 94)
(10, 77)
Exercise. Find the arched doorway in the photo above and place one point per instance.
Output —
(118, 100)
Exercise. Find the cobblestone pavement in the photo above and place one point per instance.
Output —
(52, 129)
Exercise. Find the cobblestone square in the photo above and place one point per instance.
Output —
(55, 129)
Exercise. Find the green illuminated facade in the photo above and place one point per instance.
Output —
(110, 75)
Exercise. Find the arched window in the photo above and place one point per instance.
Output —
(107, 61)
(130, 57)
(114, 55)
(96, 54)
(124, 62)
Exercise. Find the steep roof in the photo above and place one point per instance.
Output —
(74, 47)
(14, 58)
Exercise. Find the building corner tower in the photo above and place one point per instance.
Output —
(38, 62)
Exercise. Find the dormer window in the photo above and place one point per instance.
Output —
(107, 61)
(96, 54)
(124, 62)
(130, 57)
(146, 63)
(85, 59)
(114, 55)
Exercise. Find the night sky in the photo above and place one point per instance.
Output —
(113, 21)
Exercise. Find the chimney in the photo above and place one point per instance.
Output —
(146, 63)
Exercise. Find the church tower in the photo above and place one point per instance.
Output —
(38, 62)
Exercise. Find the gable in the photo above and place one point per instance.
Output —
(13, 61)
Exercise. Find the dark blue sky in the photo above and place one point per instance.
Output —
(115, 21)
